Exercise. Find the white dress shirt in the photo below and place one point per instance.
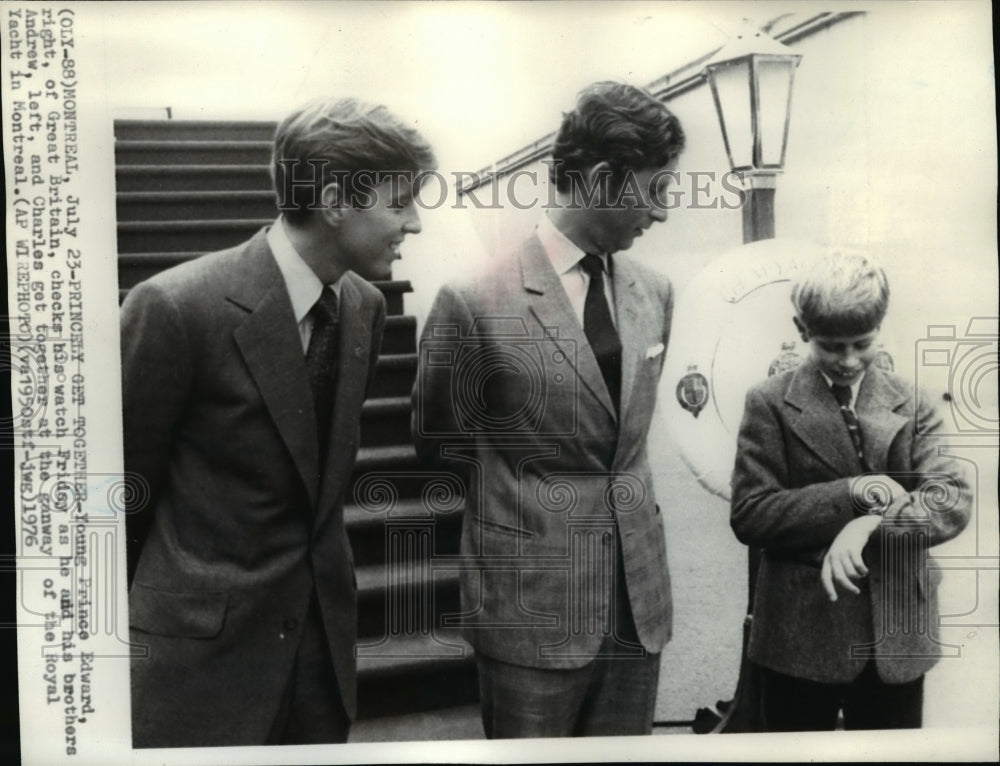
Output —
(565, 258)
(303, 285)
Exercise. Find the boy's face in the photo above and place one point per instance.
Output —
(369, 237)
(844, 358)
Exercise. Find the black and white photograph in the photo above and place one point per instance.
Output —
(395, 380)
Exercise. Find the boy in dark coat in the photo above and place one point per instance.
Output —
(840, 480)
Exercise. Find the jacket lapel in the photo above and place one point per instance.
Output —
(817, 421)
(269, 342)
(876, 407)
(548, 302)
(630, 305)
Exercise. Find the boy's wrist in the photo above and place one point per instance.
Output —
(874, 495)
(871, 522)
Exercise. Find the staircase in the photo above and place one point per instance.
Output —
(189, 187)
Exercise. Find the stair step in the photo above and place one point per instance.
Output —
(409, 674)
(360, 519)
(394, 375)
(386, 407)
(388, 468)
(375, 579)
(385, 421)
(451, 723)
(169, 152)
(409, 652)
(131, 178)
(195, 130)
(195, 205)
(393, 596)
(185, 236)
(370, 529)
(386, 458)
(400, 335)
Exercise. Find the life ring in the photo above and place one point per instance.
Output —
(732, 327)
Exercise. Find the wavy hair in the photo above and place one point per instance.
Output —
(616, 123)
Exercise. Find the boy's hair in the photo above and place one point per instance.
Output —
(616, 123)
(842, 294)
(355, 143)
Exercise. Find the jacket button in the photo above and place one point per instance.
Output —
(291, 624)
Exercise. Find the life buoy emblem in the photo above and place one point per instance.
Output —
(692, 391)
(883, 360)
(787, 360)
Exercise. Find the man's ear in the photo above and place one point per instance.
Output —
(801, 327)
(599, 177)
(332, 204)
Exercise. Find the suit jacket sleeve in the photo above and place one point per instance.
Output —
(942, 493)
(156, 380)
(434, 422)
(768, 510)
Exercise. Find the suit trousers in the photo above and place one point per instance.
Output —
(613, 694)
(868, 702)
(311, 710)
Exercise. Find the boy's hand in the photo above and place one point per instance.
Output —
(842, 563)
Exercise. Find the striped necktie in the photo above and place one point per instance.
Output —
(843, 397)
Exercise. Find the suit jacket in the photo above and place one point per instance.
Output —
(244, 523)
(792, 495)
(510, 395)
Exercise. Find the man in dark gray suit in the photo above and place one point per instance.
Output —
(538, 381)
(244, 372)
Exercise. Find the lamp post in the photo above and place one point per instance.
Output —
(751, 78)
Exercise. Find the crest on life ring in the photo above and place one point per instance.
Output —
(883, 360)
(692, 391)
(787, 360)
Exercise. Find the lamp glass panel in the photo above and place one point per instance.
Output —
(731, 83)
(774, 84)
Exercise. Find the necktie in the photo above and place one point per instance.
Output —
(600, 330)
(321, 363)
(843, 397)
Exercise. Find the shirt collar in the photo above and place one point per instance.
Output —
(855, 387)
(303, 285)
(562, 252)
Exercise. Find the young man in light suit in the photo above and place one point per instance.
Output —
(537, 383)
(244, 372)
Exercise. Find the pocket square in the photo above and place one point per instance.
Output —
(654, 351)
